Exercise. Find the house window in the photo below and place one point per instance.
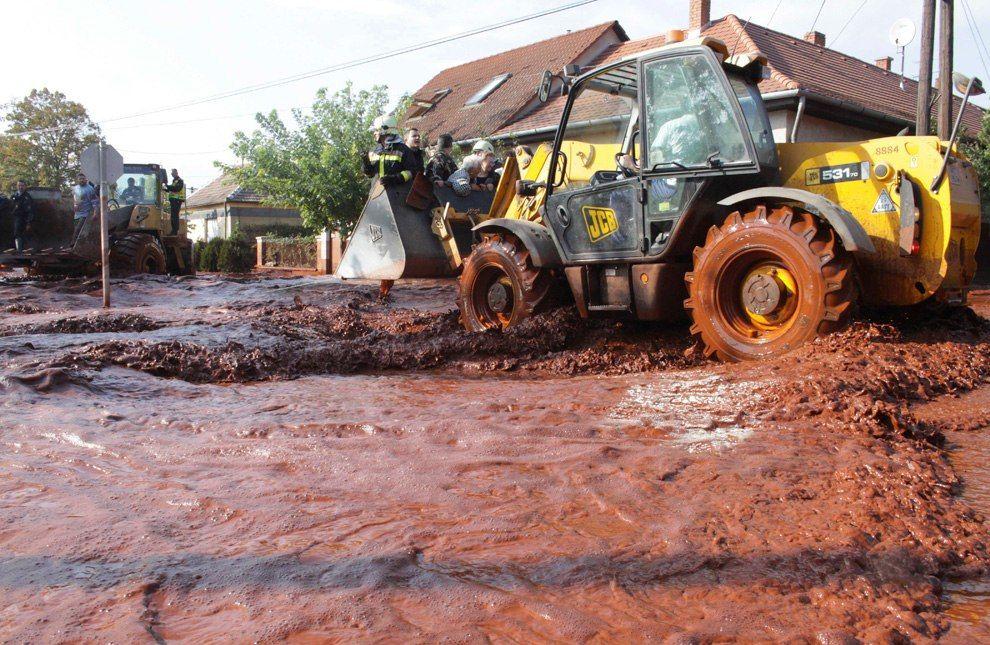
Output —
(421, 106)
(489, 87)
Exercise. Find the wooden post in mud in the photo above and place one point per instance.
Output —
(259, 260)
(104, 233)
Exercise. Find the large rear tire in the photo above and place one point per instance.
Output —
(137, 253)
(499, 286)
(765, 283)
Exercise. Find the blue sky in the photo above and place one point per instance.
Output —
(119, 58)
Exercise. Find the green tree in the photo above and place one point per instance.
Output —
(314, 166)
(45, 135)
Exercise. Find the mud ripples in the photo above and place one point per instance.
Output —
(366, 473)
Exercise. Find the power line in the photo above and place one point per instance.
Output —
(773, 13)
(356, 62)
(817, 15)
(145, 152)
(974, 30)
(848, 22)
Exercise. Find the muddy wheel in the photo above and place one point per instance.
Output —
(767, 282)
(137, 253)
(499, 285)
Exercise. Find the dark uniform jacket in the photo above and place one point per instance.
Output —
(23, 206)
(441, 167)
(392, 161)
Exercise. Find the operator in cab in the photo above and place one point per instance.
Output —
(393, 163)
(133, 194)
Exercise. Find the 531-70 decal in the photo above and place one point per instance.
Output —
(836, 174)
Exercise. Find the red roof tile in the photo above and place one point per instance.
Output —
(526, 64)
(794, 64)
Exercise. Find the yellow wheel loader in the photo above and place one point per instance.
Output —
(679, 200)
(141, 239)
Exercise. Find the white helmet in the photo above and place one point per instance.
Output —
(481, 145)
(384, 122)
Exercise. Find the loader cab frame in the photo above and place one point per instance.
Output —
(698, 130)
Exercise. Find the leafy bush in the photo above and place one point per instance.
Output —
(236, 255)
(273, 230)
(208, 254)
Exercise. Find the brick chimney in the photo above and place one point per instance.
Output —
(885, 62)
(699, 14)
(815, 38)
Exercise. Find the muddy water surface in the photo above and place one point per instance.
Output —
(286, 459)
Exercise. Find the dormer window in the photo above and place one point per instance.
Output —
(489, 87)
(421, 106)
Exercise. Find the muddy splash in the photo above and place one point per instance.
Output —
(482, 494)
(341, 340)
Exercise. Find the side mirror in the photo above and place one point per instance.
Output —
(961, 83)
(546, 83)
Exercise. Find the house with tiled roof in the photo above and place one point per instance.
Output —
(223, 206)
(840, 97)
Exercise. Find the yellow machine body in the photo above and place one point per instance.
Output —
(944, 264)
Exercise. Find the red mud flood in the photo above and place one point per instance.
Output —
(283, 458)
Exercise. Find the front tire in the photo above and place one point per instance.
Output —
(137, 253)
(765, 283)
(499, 286)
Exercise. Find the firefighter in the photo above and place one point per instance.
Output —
(393, 163)
(176, 195)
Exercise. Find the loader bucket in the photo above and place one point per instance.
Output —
(88, 243)
(393, 240)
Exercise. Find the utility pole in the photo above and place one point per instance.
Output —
(104, 231)
(945, 69)
(923, 114)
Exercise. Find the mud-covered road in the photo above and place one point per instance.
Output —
(284, 458)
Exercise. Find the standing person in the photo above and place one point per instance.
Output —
(415, 144)
(176, 195)
(83, 204)
(442, 164)
(394, 164)
(23, 213)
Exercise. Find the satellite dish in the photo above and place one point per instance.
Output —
(902, 32)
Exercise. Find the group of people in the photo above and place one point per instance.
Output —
(86, 200)
(396, 160)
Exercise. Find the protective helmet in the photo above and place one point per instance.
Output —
(483, 146)
(384, 122)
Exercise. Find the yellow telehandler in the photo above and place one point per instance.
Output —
(680, 200)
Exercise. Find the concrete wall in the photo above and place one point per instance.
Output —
(816, 129)
(219, 220)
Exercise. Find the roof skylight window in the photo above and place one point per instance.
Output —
(489, 87)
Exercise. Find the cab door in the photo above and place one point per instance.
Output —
(595, 212)
(694, 133)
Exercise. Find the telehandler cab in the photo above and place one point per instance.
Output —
(664, 191)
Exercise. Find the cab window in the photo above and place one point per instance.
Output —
(136, 188)
(756, 120)
(689, 118)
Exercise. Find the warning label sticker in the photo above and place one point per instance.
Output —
(884, 203)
